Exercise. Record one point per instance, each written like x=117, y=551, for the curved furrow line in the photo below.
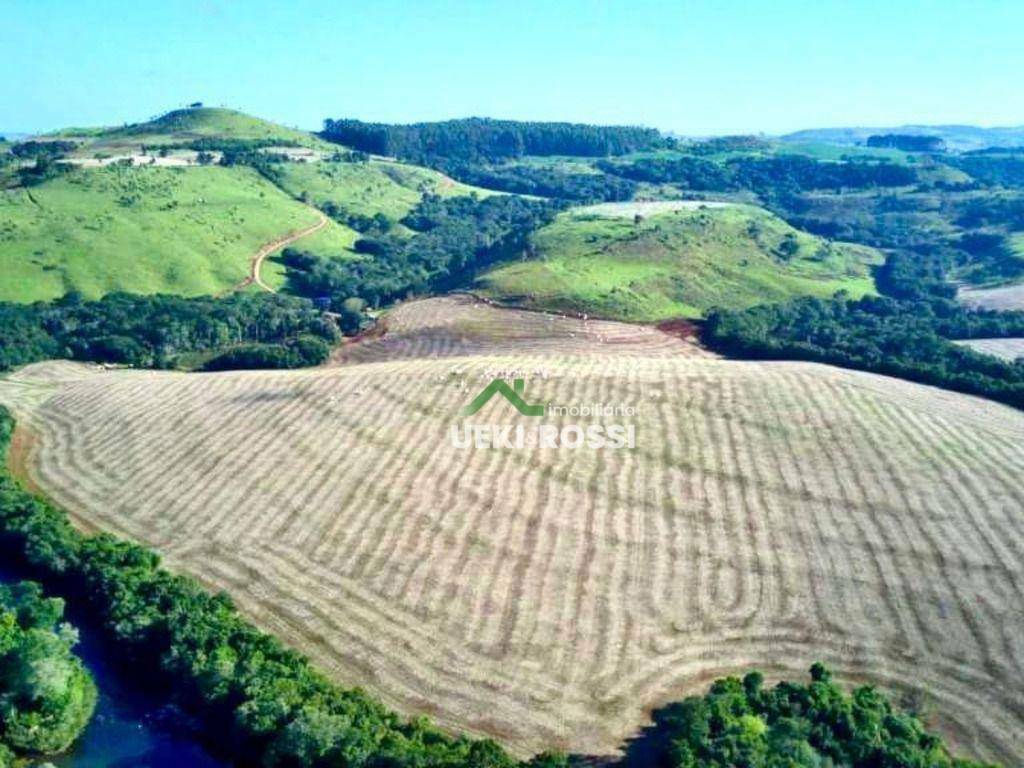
x=241, y=503
x=969, y=496
x=406, y=530
x=899, y=532
x=362, y=653
x=328, y=448
x=833, y=513
x=347, y=514
x=945, y=546
x=873, y=530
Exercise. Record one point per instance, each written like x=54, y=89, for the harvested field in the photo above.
x=1007, y=349
x=771, y=514
x=1003, y=298
x=464, y=325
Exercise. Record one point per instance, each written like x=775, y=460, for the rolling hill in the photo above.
x=771, y=514
x=154, y=224
x=675, y=263
x=182, y=126
x=187, y=231
x=365, y=189
x=957, y=137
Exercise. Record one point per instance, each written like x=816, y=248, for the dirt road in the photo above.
x=272, y=247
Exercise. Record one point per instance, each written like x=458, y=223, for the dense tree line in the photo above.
x=485, y=140
x=35, y=149
x=260, y=703
x=744, y=723
x=455, y=237
x=907, y=142
x=157, y=331
x=990, y=211
x=1005, y=170
x=719, y=145
x=918, y=276
x=300, y=352
x=46, y=167
x=768, y=176
x=219, y=144
x=688, y=171
x=46, y=695
x=905, y=338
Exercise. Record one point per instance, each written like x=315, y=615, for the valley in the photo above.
x=825, y=412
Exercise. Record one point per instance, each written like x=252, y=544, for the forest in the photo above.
x=907, y=142
x=164, y=331
x=46, y=695
x=905, y=338
x=767, y=176
x=454, y=237
x=543, y=181
x=485, y=140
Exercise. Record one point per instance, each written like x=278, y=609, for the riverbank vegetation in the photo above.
x=792, y=725
x=46, y=695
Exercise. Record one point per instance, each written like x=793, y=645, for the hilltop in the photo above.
x=157, y=207
x=181, y=126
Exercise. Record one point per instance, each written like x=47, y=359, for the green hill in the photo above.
x=172, y=226
x=365, y=189
x=188, y=231
x=601, y=261
x=182, y=126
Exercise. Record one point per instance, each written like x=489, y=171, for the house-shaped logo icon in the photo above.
x=513, y=394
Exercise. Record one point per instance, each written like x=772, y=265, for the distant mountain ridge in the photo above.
x=957, y=137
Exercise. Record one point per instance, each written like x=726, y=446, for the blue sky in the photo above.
x=690, y=67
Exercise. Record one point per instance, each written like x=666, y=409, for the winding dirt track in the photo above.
x=771, y=515
x=272, y=247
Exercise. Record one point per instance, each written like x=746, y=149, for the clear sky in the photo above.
x=722, y=66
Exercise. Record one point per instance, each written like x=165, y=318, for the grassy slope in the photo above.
x=186, y=231
x=675, y=265
x=368, y=188
x=76, y=234
x=184, y=125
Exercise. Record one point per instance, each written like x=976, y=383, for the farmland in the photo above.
x=678, y=262
x=1005, y=297
x=1007, y=349
x=188, y=231
x=772, y=514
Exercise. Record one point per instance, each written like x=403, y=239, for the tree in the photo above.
x=46, y=695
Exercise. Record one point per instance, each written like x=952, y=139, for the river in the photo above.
x=131, y=729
